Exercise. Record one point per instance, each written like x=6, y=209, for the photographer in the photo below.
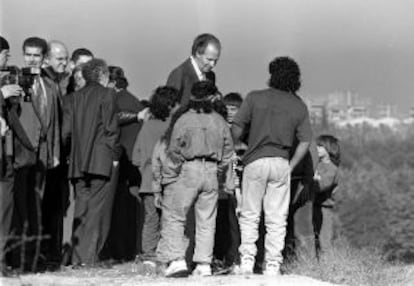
x=6, y=172
x=34, y=122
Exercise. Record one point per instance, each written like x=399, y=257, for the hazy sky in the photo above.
x=365, y=46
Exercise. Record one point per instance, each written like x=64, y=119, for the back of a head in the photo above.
x=203, y=90
x=4, y=44
x=93, y=70
x=36, y=42
x=79, y=53
x=202, y=41
x=117, y=76
x=233, y=98
x=202, y=93
x=284, y=74
x=162, y=101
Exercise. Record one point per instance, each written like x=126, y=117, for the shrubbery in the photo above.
x=376, y=194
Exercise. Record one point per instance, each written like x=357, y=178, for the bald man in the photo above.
x=57, y=62
x=58, y=199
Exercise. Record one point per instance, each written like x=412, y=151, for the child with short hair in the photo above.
x=325, y=185
x=227, y=239
x=161, y=105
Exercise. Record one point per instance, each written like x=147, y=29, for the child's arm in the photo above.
x=157, y=171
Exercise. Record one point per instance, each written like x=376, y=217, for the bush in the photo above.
x=376, y=193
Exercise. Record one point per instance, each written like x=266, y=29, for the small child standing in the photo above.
x=227, y=238
x=325, y=183
x=161, y=105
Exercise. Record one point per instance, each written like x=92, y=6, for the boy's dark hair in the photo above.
x=202, y=41
x=219, y=106
x=284, y=74
x=331, y=144
x=4, y=44
x=145, y=103
x=36, y=42
x=94, y=69
x=117, y=75
x=80, y=52
x=162, y=101
x=233, y=98
x=202, y=93
x=199, y=101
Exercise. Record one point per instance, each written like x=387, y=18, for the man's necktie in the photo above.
x=39, y=97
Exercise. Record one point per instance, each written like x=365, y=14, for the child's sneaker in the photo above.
x=246, y=264
x=272, y=268
x=149, y=268
x=202, y=269
x=177, y=268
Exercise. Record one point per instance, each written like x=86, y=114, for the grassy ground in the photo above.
x=345, y=265
x=341, y=265
x=125, y=275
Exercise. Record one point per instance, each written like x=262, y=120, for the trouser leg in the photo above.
x=205, y=214
x=6, y=208
x=254, y=185
x=93, y=210
x=276, y=206
x=151, y=227
x=176, y=203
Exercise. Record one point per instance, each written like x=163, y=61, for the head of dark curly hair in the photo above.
x=201, y=98
x=162, y=101
x=93, y=70
x=284, y=74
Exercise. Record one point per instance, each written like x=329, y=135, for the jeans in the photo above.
x=197, y=184
x=150, y=228
x=266, y=183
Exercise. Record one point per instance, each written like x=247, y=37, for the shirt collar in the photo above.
x=199, y=73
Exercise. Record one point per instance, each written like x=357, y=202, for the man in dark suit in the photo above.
x=34, y=122
x=205, y=53
x=90, y=120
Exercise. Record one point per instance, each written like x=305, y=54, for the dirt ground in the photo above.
x=126, y=275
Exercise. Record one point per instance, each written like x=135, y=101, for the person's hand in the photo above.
x=9, y=90
x=143, y=114
x=158, y=200
x=237, y=194
x=115, y=163
x=134, y=190
x=3, y=126
x=317, y=177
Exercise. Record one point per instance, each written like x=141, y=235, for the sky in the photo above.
x=365, y=47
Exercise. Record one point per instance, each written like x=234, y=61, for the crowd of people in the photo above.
x=189, y=181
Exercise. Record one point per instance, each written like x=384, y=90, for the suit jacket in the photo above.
x=35, y=137
x=183, y=77
x=126, y=102
x=90, y=120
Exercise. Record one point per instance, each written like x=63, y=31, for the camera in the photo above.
x=24, y=77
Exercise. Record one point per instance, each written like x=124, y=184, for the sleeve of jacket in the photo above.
x=156, y=164
x=226, y=164
x=176, y=141
x=137, y=149
x=175, y=79
x=110, y=121
x=67, y=113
